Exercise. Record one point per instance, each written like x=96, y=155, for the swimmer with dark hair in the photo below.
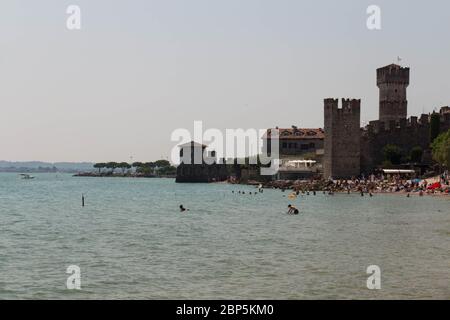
x=292, y=210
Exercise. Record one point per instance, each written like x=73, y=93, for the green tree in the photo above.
x=149, y=165
x=124, y=166
x=137, y=166
x=435, y=126
x=99, y=166
x=386, y=164
x=162, y=163
x=416, y=154
x=392, y=153
x=112, y=165
x=147, y=168
x=441, y=149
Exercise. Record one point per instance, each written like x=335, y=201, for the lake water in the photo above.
x=131, y=242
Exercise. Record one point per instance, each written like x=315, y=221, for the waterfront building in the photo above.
x=197, y=164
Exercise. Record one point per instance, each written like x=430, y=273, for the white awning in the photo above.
x=302, y=161
x=398, y=171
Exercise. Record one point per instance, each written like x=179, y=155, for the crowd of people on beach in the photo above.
x=392, y=184
x=370, y=185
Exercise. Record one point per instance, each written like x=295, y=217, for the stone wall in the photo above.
x=201, y=173
x=406, y=134
x=342, y=138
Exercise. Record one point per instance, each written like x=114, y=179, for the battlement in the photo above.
x=378, y=126
x=393, y=74
x=348, y=106
x=331, y=103
x=412, y=122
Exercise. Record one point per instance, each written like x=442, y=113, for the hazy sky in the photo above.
x=137, y=70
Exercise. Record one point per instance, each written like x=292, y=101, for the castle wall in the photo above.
x=406, y=134
x=342, y=138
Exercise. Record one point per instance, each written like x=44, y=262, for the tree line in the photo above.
x=159, y=167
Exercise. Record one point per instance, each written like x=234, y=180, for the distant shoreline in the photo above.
x=36, y=170
x=119, y=175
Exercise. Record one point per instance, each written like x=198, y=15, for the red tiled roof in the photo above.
x=300, y=133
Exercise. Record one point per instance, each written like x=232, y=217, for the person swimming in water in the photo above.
x=183, y=209
x=292, y=210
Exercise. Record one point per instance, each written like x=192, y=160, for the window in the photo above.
x=284, y=145
x=312, y=145
x=304, y=147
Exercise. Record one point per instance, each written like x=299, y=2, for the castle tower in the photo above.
x=342, y=138
x=393, y=81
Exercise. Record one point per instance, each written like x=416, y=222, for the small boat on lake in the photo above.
x=26, y=176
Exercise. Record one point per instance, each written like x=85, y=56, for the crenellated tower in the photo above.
x=342, y=138
x=392, y=81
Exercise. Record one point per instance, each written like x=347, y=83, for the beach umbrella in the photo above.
x=435, y=185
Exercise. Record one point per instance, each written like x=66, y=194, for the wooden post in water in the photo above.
x=82, y=200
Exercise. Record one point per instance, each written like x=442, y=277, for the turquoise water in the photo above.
x=130, y=241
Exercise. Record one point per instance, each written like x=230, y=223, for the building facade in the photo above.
x=297, y=142
x=199, y=165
